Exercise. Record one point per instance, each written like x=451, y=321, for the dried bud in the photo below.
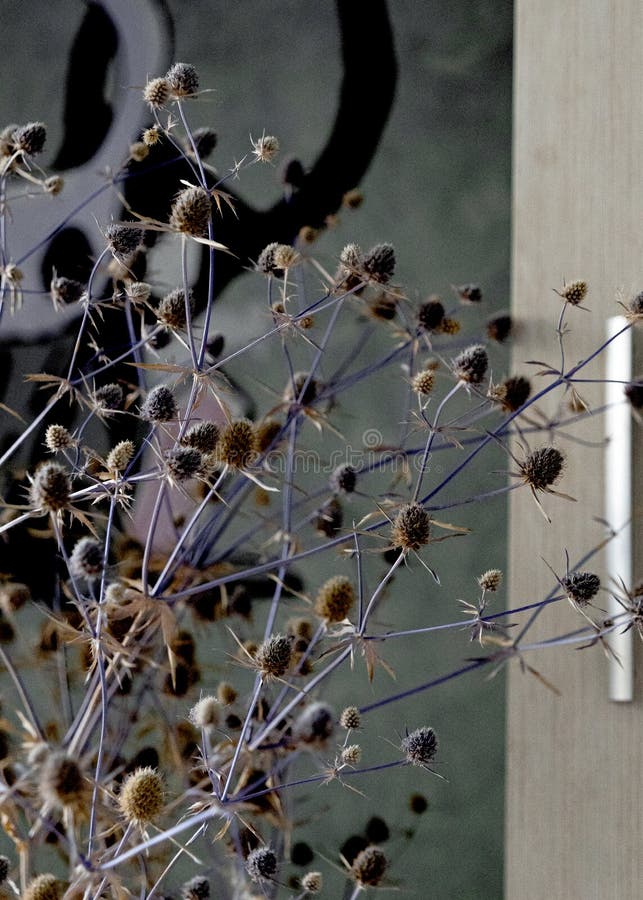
x=379, y=263
x=139, y=291
x=352, y=199
x=238, y=444
x=124, y=241
x=335, y=599
x=499, y=328
x=53, y=185
x=490, y=580
x=431, y=314
x=43, y=887
x=171, y=310
x=383, y=307
x=50, y=488
x=543, y=467
x=265, y=148
x=423, y=382
x=182, y=79
x=152, y=135
x=157, y=93
x=634, y=310
x=261, y=864
x=191, y=212
x=119, y=456
x=315, y=724
x=420, y=746
x=226, y=693
x=266, y=260
x=159, y=405
x=350, y=718
x=58, y=438
x=469, y=293
x=343, y=480
x=369, y=866
x=141, y=796
x=86, y=560
x=285, y=257
x=30, y=138
x=449, y=326
x=411, y=527
x=205, y=713
x=581, y=587
x=574, y=292
x=109, y=397
x=274, y=656
x=139, y=151
x=312, y=882
x=204, y=436
x=471, y=365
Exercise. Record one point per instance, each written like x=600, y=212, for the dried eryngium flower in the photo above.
x=86, y=560
x=157, y=92
x=574, y=293
x=312, y=882
x=30, y=138
x=124, y=241
x=543, y=467
x=499, y=328
x=191, y=212
x=411, y=527
x=183, y=463
x=197, y=888
x=343, y=480
x=58, y=438
x=423, y=382
x=471, y=365
x=512, y=393
x=350, y=718
x=120, y=456
x=335, y=599
x=50, y=488
x=369, y=866
x=490, y=580
x=238, y=444
x=43, y=887
x=420, y=746
x=352, y=754
x=274, y=656
x=108, y=398
x=183, y=79
x=379, y=263
x=261, y=864
x=62, y=782
x=142, y=797
x=205, y=713
x=204, y=436
x=265, y=148
x=581, y=587
x=159, y=405
x=172, y=311
x=315, y=724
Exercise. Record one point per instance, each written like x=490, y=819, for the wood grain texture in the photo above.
x=574, y=762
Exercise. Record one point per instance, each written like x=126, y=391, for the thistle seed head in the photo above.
x=119, y=456
x=30, y=138
x=43, y=887
x=471, y=365
x=499, y=328
x=315, y=725
x=58, y=438
x=379, y=263
x=335, y=599
x=204, y=436
x=575, y=292
x=205, y=713
x=86, y=560
x=266, y=260
x=490, y=580
x=141, y=798
x=285, y=257
x=543, y=467
x=159, y=405
x=50, y=488
x=53, y=185
x=197, y=888
x=634, y=310
x=343, y=480
x=420, y=746
x=109, y=397
x=431, y=314
x=411, y=527
x=182, y=79
x=238, y=444
x=157, y=92
x=350, y=718
x=274, y=656
x=123, y=241
x=261, y=864
x=581, y=587
x=171, y=310
x=191, y=212
x=512, y=393
x=312, y=882
x=369, y=866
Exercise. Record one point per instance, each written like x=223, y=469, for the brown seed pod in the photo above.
x=411, y=527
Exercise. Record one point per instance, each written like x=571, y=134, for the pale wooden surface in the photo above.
x=575, y=762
